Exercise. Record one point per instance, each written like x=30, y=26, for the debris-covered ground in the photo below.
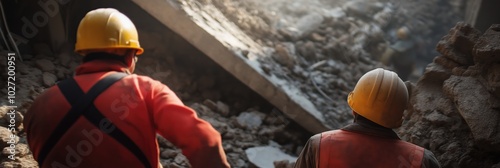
x=321, y=47
x=243, y=118
x=454, y=108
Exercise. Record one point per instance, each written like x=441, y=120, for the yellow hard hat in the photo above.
x=106, y=28
x=403, y=33
x=380, y=96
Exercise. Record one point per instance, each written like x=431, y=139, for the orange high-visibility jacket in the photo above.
x=341, y=148
x=139, y=106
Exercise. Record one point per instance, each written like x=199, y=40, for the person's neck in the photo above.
x=365, y=126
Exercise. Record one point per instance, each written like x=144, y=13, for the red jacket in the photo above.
x=363, y=143
x=139, y=106
x=341, y=148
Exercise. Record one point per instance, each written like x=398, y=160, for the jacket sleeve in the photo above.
x=199, y=141
x=429, y=161
x=308, y=156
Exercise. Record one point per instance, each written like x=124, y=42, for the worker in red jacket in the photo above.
x=105, y=116
x=378, y=101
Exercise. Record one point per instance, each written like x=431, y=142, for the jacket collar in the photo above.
x=365, y=126
x=96, y=66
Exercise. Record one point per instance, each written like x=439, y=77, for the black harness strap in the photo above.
x=83, y=105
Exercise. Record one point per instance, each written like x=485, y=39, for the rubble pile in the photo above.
x=454, y=108
x=33, y=76
x=323, y=47
x=243, y=118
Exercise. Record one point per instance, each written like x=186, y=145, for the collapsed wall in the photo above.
x=455, y=105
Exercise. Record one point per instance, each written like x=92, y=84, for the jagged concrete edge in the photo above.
x=285, y=97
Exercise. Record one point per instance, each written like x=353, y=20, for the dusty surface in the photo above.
x=321, y=47
x=454, y=108
x=242, y=117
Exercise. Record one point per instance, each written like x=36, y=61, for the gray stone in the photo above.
x=181, y=159
x=168, y=153
x=49, y=79
x=438, y=119
x=361, y=8
x=493, y=80
x=472, y=102
x=45, y=65
x=265, y=156
x=62, y=73
x=65, y=59
x=250, y=120
x=222, y=108
x=162, y=142
x=317, y=37
x=210, y=104
x=283, y=164
x=22, y=68
x=240, y=163
x=307, y=50
x=308, y=23
x=458, y=43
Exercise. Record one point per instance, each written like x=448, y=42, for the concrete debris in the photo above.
x=285, y=54
x=454, y=110
x=66, y=58
x=437, y=118
x=222, y=108
x=364, y=9
x=250, y=120
x=265, y=156
x=474, y=103
x=352, y=33
x=307, y=24
x=303, y=33
x=456, y=45
x=283, y=164
x=169, y=153
x=49, y=79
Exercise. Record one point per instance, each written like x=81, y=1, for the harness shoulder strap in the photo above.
x=82, y=104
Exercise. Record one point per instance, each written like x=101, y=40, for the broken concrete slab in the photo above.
x=205, y=27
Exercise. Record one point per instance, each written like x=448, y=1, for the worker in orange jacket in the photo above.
x=378, y=101
x=105, y=116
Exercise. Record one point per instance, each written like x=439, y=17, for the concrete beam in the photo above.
x=208, y=30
